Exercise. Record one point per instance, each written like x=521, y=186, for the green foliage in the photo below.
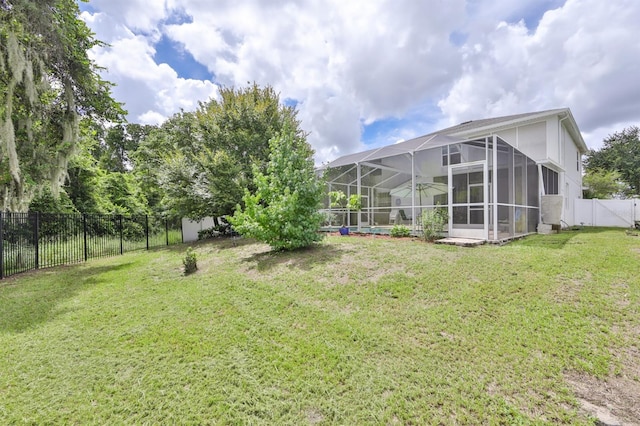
x=115, y=152
x=190, y=261
x=400, y=231
x=207, y=158
x=434, y=222
x=283, y=212
x=620, y=153
x=48, y=83
x=339, y=199
x=222, y=229
x=118, y=193
x=602, y=184
x=46, y=202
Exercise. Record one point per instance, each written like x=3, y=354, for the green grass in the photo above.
x=359, y=330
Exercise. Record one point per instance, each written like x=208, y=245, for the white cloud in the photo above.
x=375, y=58
x=583, y=56
x=349, y=64
x=149, y=90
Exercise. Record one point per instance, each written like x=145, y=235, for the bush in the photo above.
x=283, y=211
x=222, y=230
x=207, y=233
x=433, y=223
x=190, y=261
x=400, y=231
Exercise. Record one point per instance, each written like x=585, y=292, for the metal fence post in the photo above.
x=146, y=226
x=84, y=228
x=121, y=234
x=36, y=238
x=1, y=246
x=166, y=230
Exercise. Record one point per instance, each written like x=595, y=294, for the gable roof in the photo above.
x=459, y=133
x=495, y=124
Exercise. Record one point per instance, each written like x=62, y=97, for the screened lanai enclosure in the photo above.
x=490, y=190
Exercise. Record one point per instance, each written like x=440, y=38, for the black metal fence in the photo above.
x=40, y=240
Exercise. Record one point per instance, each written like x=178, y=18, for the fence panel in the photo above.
x=620, y=213
x=40, y=240
x=60, y=239
x=18, y=246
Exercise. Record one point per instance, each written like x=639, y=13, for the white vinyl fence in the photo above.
x=190, y=228
x=619, y=213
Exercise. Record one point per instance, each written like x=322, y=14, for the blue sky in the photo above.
x=365, y=74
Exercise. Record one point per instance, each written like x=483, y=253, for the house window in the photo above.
x=550, y=179
x=451, y=155
x=578, y=161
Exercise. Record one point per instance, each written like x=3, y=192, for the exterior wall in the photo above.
x=553, y=142
x=548, y=142
x=532, y=140
x=572, y=164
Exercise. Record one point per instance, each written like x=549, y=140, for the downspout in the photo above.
x=541, y=192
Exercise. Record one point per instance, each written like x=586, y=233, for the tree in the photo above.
x=620, y=153
x=213, y=152
x=116, y=151
x=47, y=82
x=283, y=212
x=603, y=184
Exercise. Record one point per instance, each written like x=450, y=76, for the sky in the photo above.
x=369, y=73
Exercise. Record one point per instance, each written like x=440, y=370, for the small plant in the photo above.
x=190, y=262
x=340, y=200
x=434, y=222
x=400, y=231
x=207, y=233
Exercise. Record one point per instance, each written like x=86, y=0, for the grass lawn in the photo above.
x=358, y=330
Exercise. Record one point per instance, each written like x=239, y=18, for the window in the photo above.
x=451, y=155
x=578, y=161
x=550, y=179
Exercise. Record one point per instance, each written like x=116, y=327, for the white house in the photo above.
x=498, y=177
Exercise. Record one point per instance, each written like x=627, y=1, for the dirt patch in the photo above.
x=371, y=235
x=613, y=401
x=314, y=416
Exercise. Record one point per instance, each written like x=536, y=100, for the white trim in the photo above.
x=482, y=233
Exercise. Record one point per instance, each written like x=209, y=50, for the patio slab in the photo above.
x=462, y=242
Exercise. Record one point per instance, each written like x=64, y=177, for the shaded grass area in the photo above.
x=353, y=331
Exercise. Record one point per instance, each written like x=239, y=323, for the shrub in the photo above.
x=190, y=261
x=208, y=233
x=283, y=211
x=400, y=231
x=433, y=223
x=223, y=229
